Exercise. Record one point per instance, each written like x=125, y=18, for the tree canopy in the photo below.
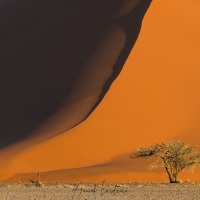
x=175, y=156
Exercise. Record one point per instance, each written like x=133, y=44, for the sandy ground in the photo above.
x=99, y=191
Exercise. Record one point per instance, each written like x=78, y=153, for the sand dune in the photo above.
x=58, y=60
x=155, y=98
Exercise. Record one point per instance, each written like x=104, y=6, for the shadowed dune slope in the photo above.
x=155, y=98
x=58, y=60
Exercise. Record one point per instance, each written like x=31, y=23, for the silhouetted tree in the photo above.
x=174, y=156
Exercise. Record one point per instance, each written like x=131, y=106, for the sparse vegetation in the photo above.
x=173, y=156
x=37, y=183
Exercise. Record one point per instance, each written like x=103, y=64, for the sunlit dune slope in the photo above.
x=155, y=98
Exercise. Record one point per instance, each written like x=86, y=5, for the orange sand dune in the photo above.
x=57, y=65
x=155, y=98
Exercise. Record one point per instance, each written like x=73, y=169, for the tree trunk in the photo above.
x=173, y=178
x=176, y=180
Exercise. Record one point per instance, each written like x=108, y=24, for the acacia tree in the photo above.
x=174, y=156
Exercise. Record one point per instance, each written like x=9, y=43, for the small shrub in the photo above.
x=38, y=183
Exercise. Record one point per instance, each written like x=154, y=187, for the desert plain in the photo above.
x=101, y=191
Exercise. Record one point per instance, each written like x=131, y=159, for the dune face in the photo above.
x=58, y=60
x=155, y=98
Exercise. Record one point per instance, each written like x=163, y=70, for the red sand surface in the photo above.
x=155, y=98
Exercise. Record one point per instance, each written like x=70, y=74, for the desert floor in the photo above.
x=108, y=191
